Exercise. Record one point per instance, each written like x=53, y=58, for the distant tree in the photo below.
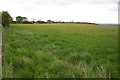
x=43, y=22
x=24, y=19
x=6, y=19
x=33, y=22
x=50, y=21
x=21, y=20
x=39, y=21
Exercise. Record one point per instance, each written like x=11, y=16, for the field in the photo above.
x=60, y=51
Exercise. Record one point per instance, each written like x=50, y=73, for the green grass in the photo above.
x=0, y=51
x=0, y=34
x=60, y=51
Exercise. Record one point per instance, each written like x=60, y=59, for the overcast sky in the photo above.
x=96, y=11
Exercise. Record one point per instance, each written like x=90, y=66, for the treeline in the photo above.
x=24, y=20
x=7, y=20
x=45, y=22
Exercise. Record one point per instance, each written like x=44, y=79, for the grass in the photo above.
x=60, y=51
x=0, y=51
x=0, y=35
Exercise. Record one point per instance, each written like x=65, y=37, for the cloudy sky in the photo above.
x=96, y=11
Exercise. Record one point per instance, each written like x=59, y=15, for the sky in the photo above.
x=94, y=11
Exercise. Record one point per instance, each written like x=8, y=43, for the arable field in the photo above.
x=60, y=51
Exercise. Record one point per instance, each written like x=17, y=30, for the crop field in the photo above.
x=60, y=51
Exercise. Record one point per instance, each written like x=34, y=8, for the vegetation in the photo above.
x=20, y=19
x=24, y=20
x=0, y=18
x=6, y=19
x=60, y=51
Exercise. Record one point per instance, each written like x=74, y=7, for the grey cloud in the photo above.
x=97, y=2
x=29, y=7
x=60, y=3
x=55, y=2
x=110, y=5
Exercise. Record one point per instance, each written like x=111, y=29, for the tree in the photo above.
x=39, y=21
x=24, y=19
x=20, y=19
x=50, y=21
x=33, y=21
x=6, y=19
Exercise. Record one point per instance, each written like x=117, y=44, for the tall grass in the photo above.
x=60, y=51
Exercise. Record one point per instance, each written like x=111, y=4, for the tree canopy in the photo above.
x=20, y=19
x=6, y=19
